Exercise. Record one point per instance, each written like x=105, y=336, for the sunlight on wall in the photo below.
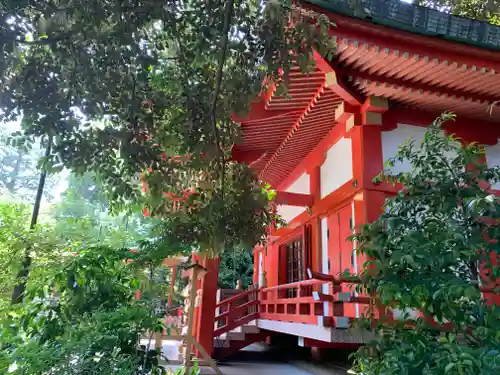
x=300, y=186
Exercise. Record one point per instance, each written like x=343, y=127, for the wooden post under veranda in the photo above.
x=194, y=272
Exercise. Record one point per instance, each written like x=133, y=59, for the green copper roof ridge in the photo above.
x=346, y=11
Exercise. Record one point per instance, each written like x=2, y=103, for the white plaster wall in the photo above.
x=407, y=313
x=324, y=259
x=301, y=186
x=493, y=159
x=391, y=141
x=337, y=168
x=261, y=270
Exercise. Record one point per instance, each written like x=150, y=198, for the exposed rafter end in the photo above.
x=345, y=111
x=375, y=104
x=335, y=83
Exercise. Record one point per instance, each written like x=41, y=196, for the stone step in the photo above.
x=250, y=329
x=234, y=336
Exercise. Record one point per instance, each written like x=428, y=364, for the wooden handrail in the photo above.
x=237, y=309
x=235, y=324
x=294, y=285
x=313, y=275
x=291, y=301
x=237, y=297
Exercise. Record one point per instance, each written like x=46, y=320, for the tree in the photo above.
x=164, y=79
x=19, y=172
x=236, y=264
x=426, y=251
x=82, y=215
x=148, y=87
x=80, y=317
x=13, y=218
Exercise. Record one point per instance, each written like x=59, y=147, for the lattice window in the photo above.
x=295, y=269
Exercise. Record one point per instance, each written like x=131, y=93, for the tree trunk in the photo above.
x=22, y=276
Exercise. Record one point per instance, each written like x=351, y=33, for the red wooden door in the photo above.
x=340, y=249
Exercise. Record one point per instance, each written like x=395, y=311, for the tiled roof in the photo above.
x=418, y=19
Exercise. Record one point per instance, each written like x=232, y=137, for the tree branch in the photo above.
x=222, y=58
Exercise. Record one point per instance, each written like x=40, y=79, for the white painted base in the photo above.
x=311, y=331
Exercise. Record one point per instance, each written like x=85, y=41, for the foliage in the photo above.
x=141, y=93
x=80, y=318
x=15, y=237
x=236, y=264
x=148, y=87
x=82, y=215
x=424, y=254
x=233, y=215
x=13, y=218
x=484, y=10
x=79, y=315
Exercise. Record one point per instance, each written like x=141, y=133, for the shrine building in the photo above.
x=396, y=68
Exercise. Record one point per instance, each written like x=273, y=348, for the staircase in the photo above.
x=235, y=324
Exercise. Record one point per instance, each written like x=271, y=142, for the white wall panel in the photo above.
x=301, y=186
x=391, y=141
x=337, y=168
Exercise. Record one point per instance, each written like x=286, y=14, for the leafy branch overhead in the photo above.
x=141, y=73
x=433, y=248
x=127, y=88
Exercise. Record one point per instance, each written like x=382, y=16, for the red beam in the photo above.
x=293, y=199
x=234, y=311
x=313, y=275
x=237, y=297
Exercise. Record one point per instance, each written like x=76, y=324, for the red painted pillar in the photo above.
x=366, y=136
x=206, y=315
x=367, y=153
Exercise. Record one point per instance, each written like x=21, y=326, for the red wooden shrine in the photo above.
x=320, y=150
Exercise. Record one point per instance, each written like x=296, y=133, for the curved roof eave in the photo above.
x=339, y=8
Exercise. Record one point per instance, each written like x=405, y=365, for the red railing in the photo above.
x=304, y=302
x=236, y=311
x=292, y=302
